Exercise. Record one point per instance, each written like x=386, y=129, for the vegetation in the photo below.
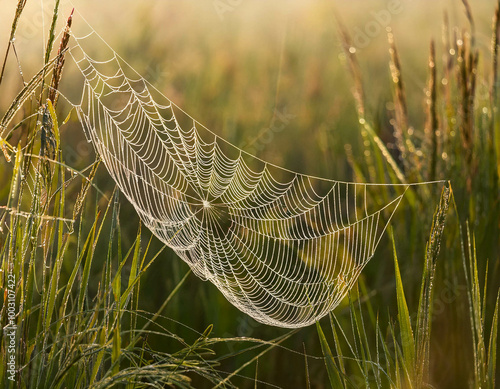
x=91, y=299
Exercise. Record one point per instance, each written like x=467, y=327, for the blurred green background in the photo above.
x=245, y=67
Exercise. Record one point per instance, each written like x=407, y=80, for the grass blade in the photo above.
x=492, y=349
x=331, y=367
x=407, y=340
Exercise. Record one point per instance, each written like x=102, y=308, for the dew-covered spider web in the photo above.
x=283, y=247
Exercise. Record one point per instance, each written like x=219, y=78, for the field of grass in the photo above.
x=89, y=298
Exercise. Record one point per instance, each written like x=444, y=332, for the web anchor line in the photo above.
x=282, y=246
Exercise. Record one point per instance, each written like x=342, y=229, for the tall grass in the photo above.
x=82, y=273
x=63, y=327
x=67, y=336
x=70, y=329
x=457, y=143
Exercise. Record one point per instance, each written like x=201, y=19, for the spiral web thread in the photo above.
x=283, y=247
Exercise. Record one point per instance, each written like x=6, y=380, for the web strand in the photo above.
x=282, y=246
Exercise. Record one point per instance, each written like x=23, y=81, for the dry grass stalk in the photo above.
x=467, y=71
x=58, y=66
x=448, y=59
x=470, y=18
x=432, y=128
x=357, y=90
x=400, y=122
x=495, y=41
x=354, y=68
x=400, y=100
x=19, y=10
x=48, y=143
x=494, y=57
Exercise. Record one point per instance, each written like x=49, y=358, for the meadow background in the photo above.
x=274, y=78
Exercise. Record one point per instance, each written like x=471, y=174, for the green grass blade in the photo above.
x=359, y=332
x=338, y=350
x=492, y=349
x=86, y=247
x=407, y=340
x=135, y=259
x=331, y=368
x=50, y=303
x=86, y=273
x=133, y=277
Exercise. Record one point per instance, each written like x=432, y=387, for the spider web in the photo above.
x=281, y=246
